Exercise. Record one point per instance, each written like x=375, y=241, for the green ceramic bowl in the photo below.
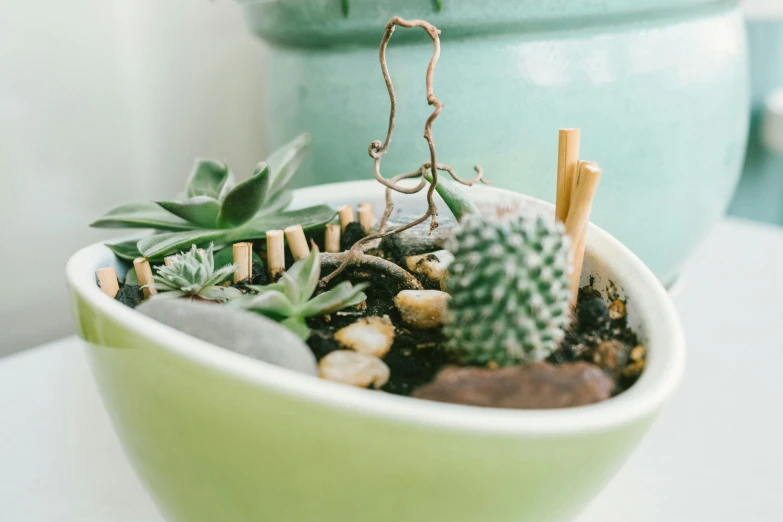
x=215, y=436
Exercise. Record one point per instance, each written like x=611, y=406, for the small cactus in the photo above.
x=510, y=289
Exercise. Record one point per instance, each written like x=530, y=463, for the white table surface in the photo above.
x=714, y=455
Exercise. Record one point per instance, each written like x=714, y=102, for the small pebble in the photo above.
x=432, y=267
x=616, y=310
x=370, y=335
x=634, y=369
x=593, y=312
x=422, y=309
x=354, y=368
x=611, y=356
x=638, y=353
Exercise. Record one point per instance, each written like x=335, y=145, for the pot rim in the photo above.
x=666, y=349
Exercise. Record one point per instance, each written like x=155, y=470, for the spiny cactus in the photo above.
x=193, y=274
x=510, y=289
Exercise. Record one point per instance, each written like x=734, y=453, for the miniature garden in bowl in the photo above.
x=413, y=347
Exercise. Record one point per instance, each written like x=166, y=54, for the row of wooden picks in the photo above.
x=243, y=252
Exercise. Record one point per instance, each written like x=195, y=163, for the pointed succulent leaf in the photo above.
x=160, y=245
x=219, y=293
x=143, y=214
x=276, y=287
x=459, y=204
x=270, y=303
x=201, y=211
x=209, y=178
x=221, y=274
x=276, y=203
x=244, y=200
x=126, y=250
x=176, y=294
x=341, y=296
x=284, y=162
x=310, y=218
x=297, y=325
x=306, y=273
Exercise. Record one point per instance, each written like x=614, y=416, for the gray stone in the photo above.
x=417, y=240
x=534, y=386
x=241, y=332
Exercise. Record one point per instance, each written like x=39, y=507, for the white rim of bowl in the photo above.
x=658, y=381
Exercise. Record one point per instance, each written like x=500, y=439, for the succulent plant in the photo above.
x=216, y=209
x=193, y=274
x=290, y=300
x=510, y=289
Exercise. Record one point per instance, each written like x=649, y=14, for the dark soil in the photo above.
x=592, y=327
x=353, y=232
x=130, y=295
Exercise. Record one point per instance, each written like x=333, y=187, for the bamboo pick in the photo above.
x=275, y=253
x=567, y=166
x=346, y=216
x=297, y=242
x=144, y=275
x=366, y=217
x=579, y=215
x=241, y=257
x=332, y=238
x=107, y=279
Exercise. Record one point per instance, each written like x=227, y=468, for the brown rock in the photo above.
x=616, y=310
x=611, y=355
x=534, y=386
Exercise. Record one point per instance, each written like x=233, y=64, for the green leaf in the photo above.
x=341, y=296
x=310, y=218
x=459, y=204
x=244, y=200
x=126, y=250
x=276, y=203
x=306, y=272
x=202, y=211
x=143, y=214
x=284, y=162
x=271, y=303
x=209, y=178
x=220, y=293
x=160, y=245
x=297, y=325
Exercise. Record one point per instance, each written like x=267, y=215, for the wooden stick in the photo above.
x=579, y=215
x=567, y=165
x=275, y=253
x=241, y=257
x=332, y=238
x=366, y=217
x=346, y=216
x=107, y=279
x=144, y=275
x=297, y=242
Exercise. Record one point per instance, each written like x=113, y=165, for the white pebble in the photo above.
x=371, y=335
x=354, y=368
x=432, y=266
x=422, y=309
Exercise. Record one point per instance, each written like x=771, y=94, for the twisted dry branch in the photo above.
x=378, y=149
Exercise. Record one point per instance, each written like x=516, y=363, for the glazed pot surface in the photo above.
x=659, y=89
x=217, y=436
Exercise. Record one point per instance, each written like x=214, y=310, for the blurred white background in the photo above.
x=102, y=102
x=107, y=101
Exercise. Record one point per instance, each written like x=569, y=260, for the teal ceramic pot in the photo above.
x=658, y=87
x=215, y=436
x=760, y=193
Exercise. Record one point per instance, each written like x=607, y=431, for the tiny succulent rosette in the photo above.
x=290, y=300
x=510, y=289
x=192, y=274
x=216, y=209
